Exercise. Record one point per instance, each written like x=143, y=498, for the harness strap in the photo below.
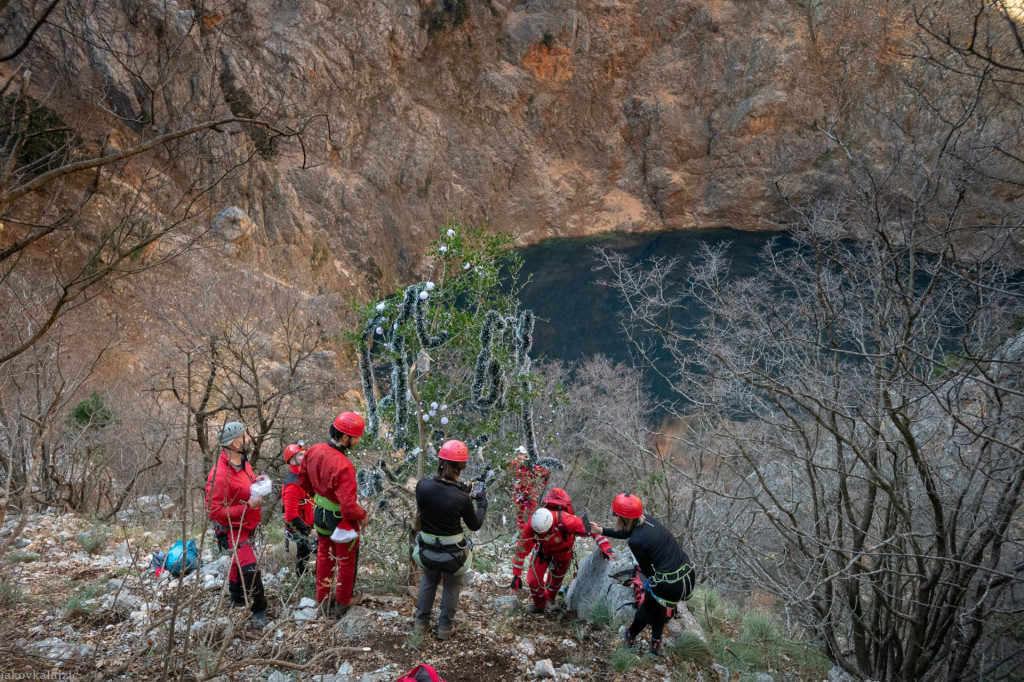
x=327, y=504
x=428, y=539
x=218, y=528
x=672, y=576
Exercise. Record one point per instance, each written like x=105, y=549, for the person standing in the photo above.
x=235, y=513
x=442, y=549
x=552, y=530
x=669, y=576
x=528, y=480
x=327, y=474
x=298, y=508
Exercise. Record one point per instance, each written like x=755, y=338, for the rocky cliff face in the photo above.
x=545, y=118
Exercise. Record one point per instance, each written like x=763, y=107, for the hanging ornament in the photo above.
x=433, y=406
x=444, y=421
x=430, y=286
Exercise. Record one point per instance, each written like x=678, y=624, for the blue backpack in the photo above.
x=182, y=558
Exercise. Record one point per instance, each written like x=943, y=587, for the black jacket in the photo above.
x=653, y=547
x=443, y=505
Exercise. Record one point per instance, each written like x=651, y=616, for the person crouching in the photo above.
x=552, y=530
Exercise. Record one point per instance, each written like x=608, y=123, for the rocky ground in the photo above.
x=80, y=598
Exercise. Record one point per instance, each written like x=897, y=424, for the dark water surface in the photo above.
x=577, y=317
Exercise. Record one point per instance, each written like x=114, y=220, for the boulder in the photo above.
x=837, y=674
x=122, y=602
x=232, y=224
x=56, y=649
x=544, y=668
x=306, y=614
x=355, y=623
x=218, y=568
x=599, y=581
x=148, y=507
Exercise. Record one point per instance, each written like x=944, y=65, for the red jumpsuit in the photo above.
x=327, y=472
x=527, y=482
x=227, y=491
x=298, y=504
x=554, y=554
x=298, y=517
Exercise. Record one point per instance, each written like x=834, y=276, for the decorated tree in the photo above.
x=449, y=357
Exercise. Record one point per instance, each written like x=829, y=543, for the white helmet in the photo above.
x=542, y=520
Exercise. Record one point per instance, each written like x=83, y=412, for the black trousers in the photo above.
x=652, y=613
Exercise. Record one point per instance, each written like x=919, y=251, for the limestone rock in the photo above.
x=56, y=649
x=544, y=668
x=232, y=224
x=599, y=583
x=358, y=621
x=506, y=603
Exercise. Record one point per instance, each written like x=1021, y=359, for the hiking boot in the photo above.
x=357, y=599
x=258, y=620
x=420, y=629
x=445, y=633
x=655, y=649
x=533, y=608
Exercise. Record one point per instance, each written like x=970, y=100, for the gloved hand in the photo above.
x=479, y=493
x=607, y=554
x=517, y=584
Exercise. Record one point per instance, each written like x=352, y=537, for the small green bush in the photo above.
x=92, y=412
x=600, y=615
x=77, y=606
x=94, y=539
x=624, y=659
x=758, y=628
x=690, y=647
x=707, y=605
x=10, y=594
x=759, y=634
x=22, y=557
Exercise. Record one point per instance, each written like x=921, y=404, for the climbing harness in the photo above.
x=447, y=553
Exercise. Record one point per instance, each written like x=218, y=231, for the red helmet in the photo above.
x=627, y=506
x=292, y=450
x=349, y=423
x=454, y=451
x=558, y=499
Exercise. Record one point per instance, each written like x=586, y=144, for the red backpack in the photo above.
x=421, y=673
